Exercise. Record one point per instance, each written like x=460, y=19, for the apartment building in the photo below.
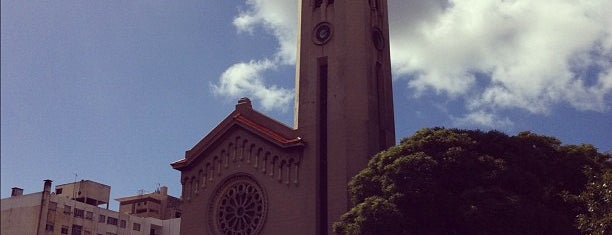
x=157, y=204
x=75, y=209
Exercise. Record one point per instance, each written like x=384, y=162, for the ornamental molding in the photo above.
x=243, y=151
x=246, y=118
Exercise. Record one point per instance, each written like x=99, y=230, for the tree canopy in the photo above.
x=449, y=181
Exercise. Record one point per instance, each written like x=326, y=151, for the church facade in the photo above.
x=254, y=175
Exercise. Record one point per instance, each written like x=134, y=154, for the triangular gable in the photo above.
x=250, y=120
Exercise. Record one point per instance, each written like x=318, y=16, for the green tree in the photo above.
x=448, y=181
x=597, y=199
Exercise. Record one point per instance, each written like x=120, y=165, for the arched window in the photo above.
x=198, y=182
x=191, y=188
x=318, y=3
x=374, y=4
x=185, y=189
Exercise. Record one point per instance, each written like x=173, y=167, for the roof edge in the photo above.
x=245, y=117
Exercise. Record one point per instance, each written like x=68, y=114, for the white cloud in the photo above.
x=279, y=17
x=495, y=55
x=482, y=118
x=534, y=54
x=245, y=79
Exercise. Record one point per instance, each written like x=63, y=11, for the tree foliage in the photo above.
x=448, y=181
x=597, y=199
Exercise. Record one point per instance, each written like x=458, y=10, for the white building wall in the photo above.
x=171, y=226
x=20, y=214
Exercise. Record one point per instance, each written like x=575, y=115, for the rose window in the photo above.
x=239, y=207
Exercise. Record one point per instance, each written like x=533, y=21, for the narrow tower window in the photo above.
x=374, y=4
x=322, y=66
x=380, y=89
x=318, y=3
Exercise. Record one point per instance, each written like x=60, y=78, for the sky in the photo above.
x=114, y=91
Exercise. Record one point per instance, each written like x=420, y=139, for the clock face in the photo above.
x=322, y=33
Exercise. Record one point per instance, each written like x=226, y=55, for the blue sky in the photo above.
x=114, y=91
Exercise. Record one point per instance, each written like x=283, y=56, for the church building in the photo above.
x=254, y=175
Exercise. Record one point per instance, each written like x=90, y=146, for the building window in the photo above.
x=58, y=191
x=136, y=227
x=89, y=215
x=101, y=219
x=49, y=227
x=122, y=223
x=111, y=220
x=67, y=209
x=52, y=206
x=78, y=213
x=76, y=229
x=64, y=229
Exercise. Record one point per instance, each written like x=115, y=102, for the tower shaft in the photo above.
x=344, y=104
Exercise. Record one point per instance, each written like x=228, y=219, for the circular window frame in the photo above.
x=319, y=40
x=224, y=192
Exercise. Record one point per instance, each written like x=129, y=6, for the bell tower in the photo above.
x=254, y=175
x=344, y=100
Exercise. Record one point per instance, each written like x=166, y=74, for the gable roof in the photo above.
x=250, y=120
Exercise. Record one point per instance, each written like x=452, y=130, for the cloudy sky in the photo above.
x=113, y=91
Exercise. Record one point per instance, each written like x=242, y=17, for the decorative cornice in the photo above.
x=250, y=120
